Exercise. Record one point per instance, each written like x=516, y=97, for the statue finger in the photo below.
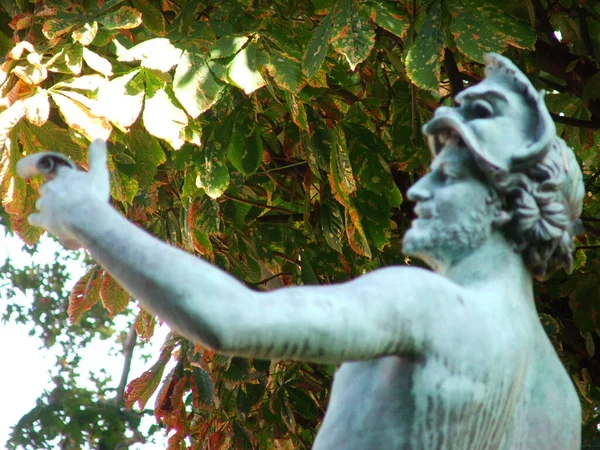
x=98, y=158
x=35, y=220
x=44, y=163
x=69, y=244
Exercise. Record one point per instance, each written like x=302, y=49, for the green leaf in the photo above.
x=194, y=84
x=158, y=54
x=53, y=137
x=353, y=35
x=203, y=386
x=479, y=27
x=163, y=119
x=243, y=71
x=585, y=304
x=318, y=47
x=592, y=88
x=297, y=111
x=243, y=438
x=152, y=17
x=122, y=19
x=332, y=223
x=245, y=147
x=130, y=100
x=286, y=71
x=227, y=46
x=213, y=174
x=206, y=215
x=307, y=273
x=424, y=57
x=114, y=298
x=341, y=177
x=148, y=156
x=74, y=58
x=54, y=28
x=389, y=16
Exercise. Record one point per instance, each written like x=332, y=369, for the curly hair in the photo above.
x=544, y=202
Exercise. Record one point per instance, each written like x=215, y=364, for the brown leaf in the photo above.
x=144, y=325
x=142, y=388
x=84, y=294
x=114, y=298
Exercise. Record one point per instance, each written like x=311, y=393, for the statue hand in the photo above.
x=67, y=190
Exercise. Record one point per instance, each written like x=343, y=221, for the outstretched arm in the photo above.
x=389, y=311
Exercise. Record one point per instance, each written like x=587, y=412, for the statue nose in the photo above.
x=419, y=192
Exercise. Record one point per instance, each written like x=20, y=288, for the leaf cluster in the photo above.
x=276, y=139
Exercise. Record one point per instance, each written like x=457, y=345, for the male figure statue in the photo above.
x=451, y=359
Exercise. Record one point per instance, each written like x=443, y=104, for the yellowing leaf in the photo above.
x=165, y=120
x=31, y=74
x=318, y=47
x=424, y=56
x=123, y=18
x=81, y=119
x=84, y=294
x=158, y=54
x=194, y=84
x=141, y=389
x=114, y=298
x=85, y=34
x=243, y=71
x=97, y=62
x=353, y=35
x=74, y=58
x=152, y=17
x=37, y=108
x=479, y=27
x=286, y=71
x=390, y=17
x=118, y=91
x=54, y=28
x=144, y=325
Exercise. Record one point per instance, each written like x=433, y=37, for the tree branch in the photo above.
x=454, y=76
x=593, y=124
x=128, y=347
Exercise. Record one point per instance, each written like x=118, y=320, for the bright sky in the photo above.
x=25, y=367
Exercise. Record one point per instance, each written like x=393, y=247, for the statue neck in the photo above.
x=494, y=262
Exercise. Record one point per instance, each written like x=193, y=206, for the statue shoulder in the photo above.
x=409, y=280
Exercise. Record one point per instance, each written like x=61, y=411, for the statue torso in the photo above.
x=493, y=383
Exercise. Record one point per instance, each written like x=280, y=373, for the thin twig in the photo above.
x=593, y=124
x=257, y=204
x=128, y=347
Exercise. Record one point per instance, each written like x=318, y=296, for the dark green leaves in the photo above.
x=479, y=27
x=423, y=59
x=317, y=49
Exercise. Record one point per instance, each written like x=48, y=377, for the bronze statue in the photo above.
x=454, y=358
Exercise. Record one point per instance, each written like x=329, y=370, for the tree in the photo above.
x=275, y=139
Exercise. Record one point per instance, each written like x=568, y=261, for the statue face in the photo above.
x=454, y=215
x=490, y=119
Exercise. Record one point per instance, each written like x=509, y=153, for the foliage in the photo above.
x=276, y=139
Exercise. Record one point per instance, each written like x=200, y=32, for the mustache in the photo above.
x=425, y=210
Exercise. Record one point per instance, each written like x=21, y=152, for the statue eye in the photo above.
x=482, y=109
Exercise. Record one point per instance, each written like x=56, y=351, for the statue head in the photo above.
x=530, y=184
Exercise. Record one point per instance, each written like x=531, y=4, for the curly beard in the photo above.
x=442, y=245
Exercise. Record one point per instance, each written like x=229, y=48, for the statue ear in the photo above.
x=501, y=218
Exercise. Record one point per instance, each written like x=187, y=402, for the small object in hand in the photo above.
x=45, y=163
